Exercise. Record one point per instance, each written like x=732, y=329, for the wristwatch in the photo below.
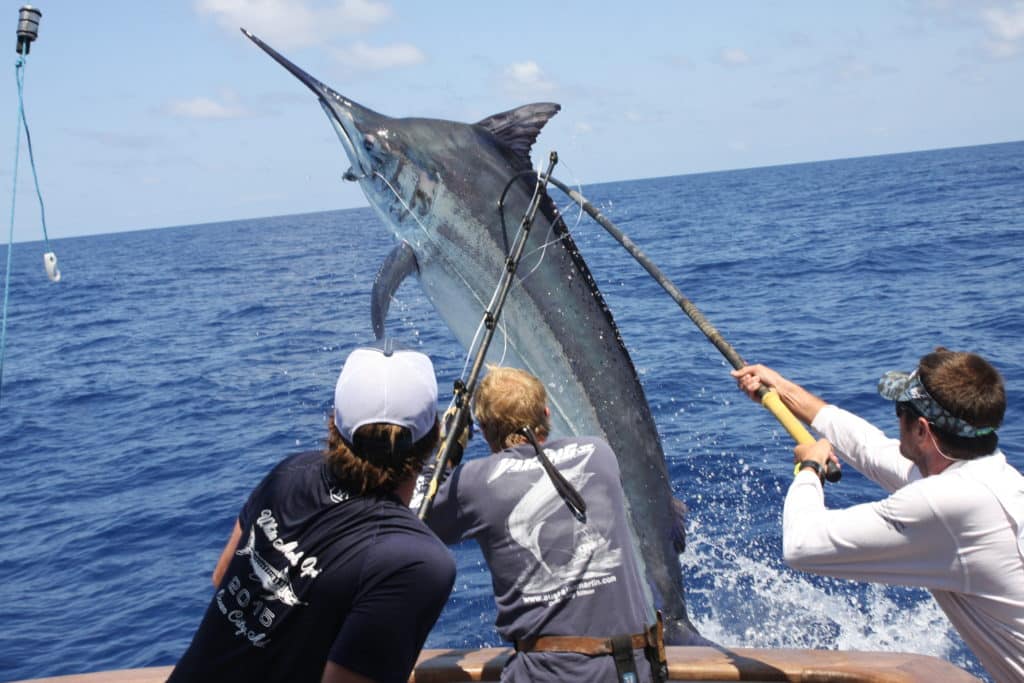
x=814, y=465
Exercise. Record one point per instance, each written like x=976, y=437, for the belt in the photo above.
x=582, y=644
x=651, y=641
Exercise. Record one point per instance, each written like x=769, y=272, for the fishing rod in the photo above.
x=457, y=416
x=769, y=399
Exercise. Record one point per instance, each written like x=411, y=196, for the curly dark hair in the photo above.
x=379, y=458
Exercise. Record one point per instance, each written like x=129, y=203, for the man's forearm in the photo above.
x=801, y=402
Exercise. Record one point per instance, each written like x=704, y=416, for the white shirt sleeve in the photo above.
x=899, y=540
x=866, y=447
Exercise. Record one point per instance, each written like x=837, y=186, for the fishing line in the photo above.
x=471, y=351
x=542, y=248
x=456, y=425
x=548, y=241
x=476, y=337
x=551, y=241
x=478, y=333
x=559, y=218
x=28, y=30
x=426, y=232
x=405, y=206
x=457, y=271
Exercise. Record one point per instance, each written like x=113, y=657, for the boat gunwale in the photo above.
x=685, y=664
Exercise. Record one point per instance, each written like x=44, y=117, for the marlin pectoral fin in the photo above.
x=400, y=264
x=518, y=128
x=679, y=511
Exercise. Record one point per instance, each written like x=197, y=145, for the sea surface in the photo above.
x=145, y=394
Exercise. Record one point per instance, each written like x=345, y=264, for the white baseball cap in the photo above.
x=386, y=384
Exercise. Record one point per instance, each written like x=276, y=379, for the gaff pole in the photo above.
x=769, y=398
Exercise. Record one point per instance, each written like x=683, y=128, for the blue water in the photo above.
x=146, y=394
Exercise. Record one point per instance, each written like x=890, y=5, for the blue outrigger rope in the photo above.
x=27, y=29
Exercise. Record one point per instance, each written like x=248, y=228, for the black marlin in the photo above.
x=436, y=185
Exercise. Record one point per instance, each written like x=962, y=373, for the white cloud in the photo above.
x=369, y=58
x=206, y=108
x=296, y=23
x=1002, y=49
x=734, y=57
x=527, y=76
x=1005, y=26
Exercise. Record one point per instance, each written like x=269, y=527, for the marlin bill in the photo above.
x=436, y=185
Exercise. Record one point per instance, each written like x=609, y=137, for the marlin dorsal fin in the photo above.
x=518, y=128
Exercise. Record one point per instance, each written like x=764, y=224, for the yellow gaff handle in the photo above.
x=787, y=419
x=771, y=400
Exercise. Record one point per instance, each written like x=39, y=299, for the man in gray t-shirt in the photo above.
x=555, y=574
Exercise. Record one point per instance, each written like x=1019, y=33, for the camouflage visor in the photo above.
x=905, y=387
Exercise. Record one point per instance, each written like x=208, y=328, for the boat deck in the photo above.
x=706, y=664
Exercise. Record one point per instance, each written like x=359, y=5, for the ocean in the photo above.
x=145, y=394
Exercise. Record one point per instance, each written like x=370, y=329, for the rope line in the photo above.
x=31, y=156
x=19, y=77
x=18, y=73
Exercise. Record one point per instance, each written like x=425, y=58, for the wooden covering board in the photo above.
x=685, y=664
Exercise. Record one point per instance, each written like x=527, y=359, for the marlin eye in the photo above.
x=369, y=142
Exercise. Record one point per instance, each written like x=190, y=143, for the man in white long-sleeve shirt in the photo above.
x=954, y=520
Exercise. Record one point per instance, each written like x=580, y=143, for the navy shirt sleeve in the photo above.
x=405, y=586
x=445, y=515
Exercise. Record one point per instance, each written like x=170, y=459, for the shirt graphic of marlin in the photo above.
x=593, y=555
x=276, y=582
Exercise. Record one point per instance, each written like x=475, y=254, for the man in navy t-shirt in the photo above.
x=329, y=576
x=566, y=584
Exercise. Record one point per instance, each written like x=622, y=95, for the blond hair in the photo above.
x=507, y=400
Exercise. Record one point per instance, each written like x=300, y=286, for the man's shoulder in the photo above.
x=291, y=469
x=580, y=441
x=301, y=460
x=410, y=540
x=988, y=473
x=579, y=446
x=956, y=490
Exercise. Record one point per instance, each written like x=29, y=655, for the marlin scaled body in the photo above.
x=436, y=185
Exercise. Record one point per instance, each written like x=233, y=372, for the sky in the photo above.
x=161, y=113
